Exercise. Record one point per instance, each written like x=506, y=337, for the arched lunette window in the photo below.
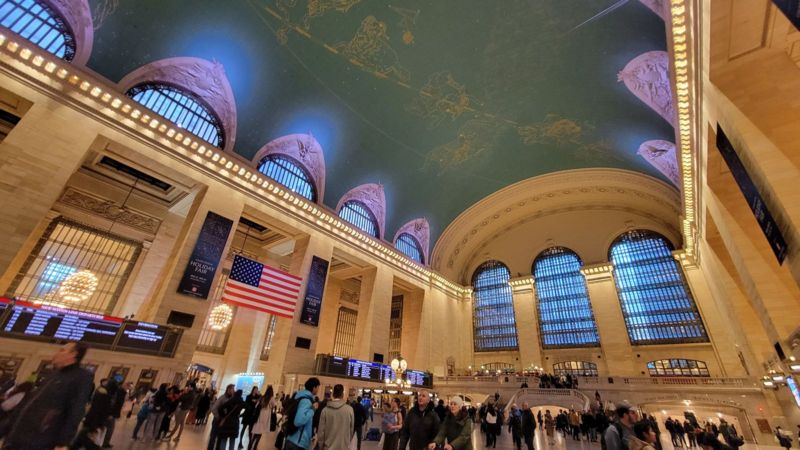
x=678, y=368
x=359, y=215
x=407, y=244
x=656, y=301
x=565, y=313
x=575, y=368
x=181, y=108
x=288, y=172
x=494, y=325
x=37, y=22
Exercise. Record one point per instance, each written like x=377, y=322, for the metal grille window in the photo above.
x=273, y=321
x=395, y=327
x=493, y=309
x=215, y=341
x=182, y=109
x=38, y=23
x=67, y=247
x=678, y=368
x=575, y=368
x=359, y=215
x=289, y=173
x=656, y=301
x=565, y=313
x=410, y=247
x=345, y=339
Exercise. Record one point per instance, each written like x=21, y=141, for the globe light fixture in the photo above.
x=220, y=317
x=78, y=287
x=399, y=366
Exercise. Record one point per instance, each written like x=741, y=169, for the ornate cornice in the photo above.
x=661, y=155
x=421, y=231
x=647, y=77
x=109, y=210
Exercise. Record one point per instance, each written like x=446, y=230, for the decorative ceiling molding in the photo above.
x=657, y=6
x=421, y=230
x=555, y=193
x=661, y=155
x=203, y=78
x=372, y=196
x=109, y=210
x=304, y=149
x=78, y=16
x=647, y=77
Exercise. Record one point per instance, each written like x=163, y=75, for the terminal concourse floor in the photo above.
x=196, y=438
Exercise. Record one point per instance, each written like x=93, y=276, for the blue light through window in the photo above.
x=565, y=313
x=36, y=22
x=182, y=109
x=656, y=302
x=409, y=246
x=359, y=215
x=53, y=274
x=493, y=309
x=287, y=172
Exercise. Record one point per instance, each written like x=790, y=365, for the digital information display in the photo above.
x=24, y=320
x=367, y=371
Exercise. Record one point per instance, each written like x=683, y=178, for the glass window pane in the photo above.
x=655, y=299
x=409, y=246
x=289, y=173
x=359, y=215
x=494, y=325
x=677, y=368
x=37, y=22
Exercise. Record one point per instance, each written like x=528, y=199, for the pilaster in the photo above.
x=525, y=311
x=374, y=311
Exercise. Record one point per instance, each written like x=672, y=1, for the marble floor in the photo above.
x=196, y=438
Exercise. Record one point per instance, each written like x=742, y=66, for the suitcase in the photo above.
x=374, y=434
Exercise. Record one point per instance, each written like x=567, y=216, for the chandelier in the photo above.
x=78, y=287
x=220, y=317
x=399, y=366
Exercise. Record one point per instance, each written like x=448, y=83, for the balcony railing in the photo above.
x=669, y=381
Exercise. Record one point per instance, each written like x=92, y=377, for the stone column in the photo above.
x=410, y=335
x=374, y=310
x=36, y=160
x=614, y=341
x=222, y=201
x=525, y=311
x=285, y=358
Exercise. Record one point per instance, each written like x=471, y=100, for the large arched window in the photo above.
x=288, y=172
x=656, y=301
x=181, y=108
x=575, y=368
x=359, y=215
x=565, y=313
x=494, y=326
x=678, y=368
x=38, y=23
x=407, y=244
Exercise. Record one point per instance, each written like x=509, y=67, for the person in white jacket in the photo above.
x=263, y=421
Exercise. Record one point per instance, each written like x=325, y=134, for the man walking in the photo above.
x=336, y=423
x=618, y=434
x=420, y=424
x=116, y=411
x=359, y=417
x=185, y=402
x=303, y=416
x=212, y=437
x=52, y=415
x=528, y=425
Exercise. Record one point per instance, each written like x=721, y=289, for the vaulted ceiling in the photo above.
x=442, y=101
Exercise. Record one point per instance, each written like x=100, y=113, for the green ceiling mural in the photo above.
x=443, y=102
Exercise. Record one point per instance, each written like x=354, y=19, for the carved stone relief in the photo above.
x=78, y=17
x=657, y=6
x=108, y=209
x=371, y=195
x=304, y=149
x=203, y=78
x=647, y=77
x=661, y=155
x=421, y=230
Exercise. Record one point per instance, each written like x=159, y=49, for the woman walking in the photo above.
x=263, y=418
x=390, y=427
x=456, y=431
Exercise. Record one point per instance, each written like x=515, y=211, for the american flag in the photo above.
x=263, y=288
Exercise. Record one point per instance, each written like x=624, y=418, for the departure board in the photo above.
x=368, y=371
x=24, y=320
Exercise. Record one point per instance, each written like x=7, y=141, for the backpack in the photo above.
x=618, y=427
x=291, y=407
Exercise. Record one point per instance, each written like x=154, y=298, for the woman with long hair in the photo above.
x=263, y=418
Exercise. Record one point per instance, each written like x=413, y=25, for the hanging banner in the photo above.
x=202, y=265
x=312, y=302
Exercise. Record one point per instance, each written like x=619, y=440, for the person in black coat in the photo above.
x=250, y=414
x=228, y=427
x=101, y=409
x=359, y=419
x=528, y=425
x=202, y=408
x=54, y=410
x=420, y=425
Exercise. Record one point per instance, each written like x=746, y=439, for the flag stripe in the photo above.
x=285, y=277
x=259, y=293
x=244, y=299
x=266, y=310
x=279, y=288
